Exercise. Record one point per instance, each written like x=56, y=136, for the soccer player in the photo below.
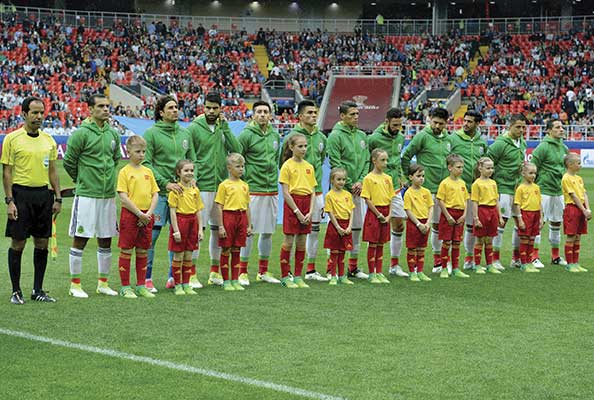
x=29, y=165
x=213, y=141
x=548, y=158
x=347, y=149
x=468, y=144
x=260, y=146
x=389, y=137
x=166, y=143
x=431, y=147
x=91, y=160
x=508, y=154
x=315, y=155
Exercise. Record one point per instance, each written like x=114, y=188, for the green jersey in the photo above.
x=549, y=158
x=261, y=151
x=316, y=150
x=470, y=148
x=91, y=159
x=381, y=138
x=431, y=151
x=212, y=145
x=166, y=144
x=347, y=148
x=508, y=157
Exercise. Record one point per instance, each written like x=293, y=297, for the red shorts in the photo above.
x=188, y=228
x=574, y=221
x=334, y=241
x=373, y=230
x=532, y=221
x=415, y=239
x=489, y=218
x=291, y=224
x=132, y=235
x=451, y=232
x=235, y=223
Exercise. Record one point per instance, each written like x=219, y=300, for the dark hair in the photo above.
x=180, y=164
x=439, y=113
x=551, y=123
x=160, y=105
x=393, y=113
x=345, y=105
x=303, y=104
x=26, y=105
x=414, y=168
x=453, y=159
x=474, y=114
x=515, y=118
x=287, y=152
x=213, y=97
x=93, y=99
x=261, y=103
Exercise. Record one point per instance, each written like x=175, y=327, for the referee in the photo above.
x=29, y=164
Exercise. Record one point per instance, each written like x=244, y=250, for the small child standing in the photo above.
x=377, y=191
x=138, y=193
x=527, y=205
x=298, y=181
x=577, y=211
x=487, y=215
x=452, y=197
x=186, y=228
x=233, y=201
x=418, y=204
x=339, y=208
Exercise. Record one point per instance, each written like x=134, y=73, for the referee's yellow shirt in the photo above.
x=29, y=157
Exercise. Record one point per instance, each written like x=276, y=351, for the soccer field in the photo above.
x=508, y=336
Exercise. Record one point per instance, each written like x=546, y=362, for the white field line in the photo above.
x=171, y=365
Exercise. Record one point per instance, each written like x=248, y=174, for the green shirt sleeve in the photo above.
x=73, y=149
x=410, y=151
x=334, y=153
x=148, y=160
x=231, y=143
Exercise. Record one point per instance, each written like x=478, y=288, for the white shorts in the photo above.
x=552, y=208
x=263, y=212
x=506, y=202
x=358, y=212
x=469, y=220
x=436, y=210
x=397, y=206
x=318, y=209
x=93, y=218
x=209, y=214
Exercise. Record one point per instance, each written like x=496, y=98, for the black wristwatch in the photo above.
x=58, y=200
x=9, y=200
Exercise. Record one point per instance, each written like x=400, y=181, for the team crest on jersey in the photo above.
x=113, y=145
x=46, y=161
x=275, y=145
x=146, y=177
x=481, y=151
x=448, y=147
x=362, y=143
x=81, y=229
x=308, y=171
x=185, y=144
x=399, y=147
x=321, y=147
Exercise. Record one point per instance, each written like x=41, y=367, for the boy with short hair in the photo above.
x=139, y=194
x=577, y=211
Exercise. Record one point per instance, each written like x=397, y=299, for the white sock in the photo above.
x=356, y=243
x=312, y=243
x=395, y=244
x=498, y=240
x=537, y=241
x=469, y=241
x=265, y=245
x=75, y=261
x=435, y=242
x=214, y=250
x=104, y=261
x=244, y=253
x=515, y=239
x=555, y=235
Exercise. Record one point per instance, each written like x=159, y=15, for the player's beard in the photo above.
x=211, y=120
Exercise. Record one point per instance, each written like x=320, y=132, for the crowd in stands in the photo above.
x=541, y=76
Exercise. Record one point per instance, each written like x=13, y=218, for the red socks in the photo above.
x=478, y=249
x=411, y=259
x=370, y=259
x=299, y=257
x=141, y=261
x=224, y=266
x=186, y=271
x=235, y=268
x=176, y=267
x=285, y=255
x=379, y=258
x=124, y=264
x=262, y=266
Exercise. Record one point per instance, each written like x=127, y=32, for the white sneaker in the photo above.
x=397, y=270
x=498, y=266
x=102, y=288
x=315, y=276
x=244, y=280
x=560, y=261
x=437, y=269
x=267, y=277
x=468, y=265
x=513, y=264
x=357, y=274
x=537, y=263
x=195, y=283
x=76, y=291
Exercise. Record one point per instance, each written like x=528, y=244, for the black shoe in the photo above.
x=17, y=298
x=42, y=296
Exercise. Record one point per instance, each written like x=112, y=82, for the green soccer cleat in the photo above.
x=459, y=274
x=127, y=292
x=372, y=278
x=423, y=277
x=414, y=277
x=188, y=289
x=288, y=283
x=266, y=277
x=444, y=273
x=572, y=268
x=237, y=285
x=382, y=278
x=492, y=270
x=142, y=291
x=228, y=287
x=300, y=282
x=344, y=280
x=480, y=270
x=333, y=281
x=582, y=269
x=528, y=268
x=179, y=290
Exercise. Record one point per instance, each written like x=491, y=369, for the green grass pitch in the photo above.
x=511, y=336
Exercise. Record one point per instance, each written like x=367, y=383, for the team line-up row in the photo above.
x=204, y=174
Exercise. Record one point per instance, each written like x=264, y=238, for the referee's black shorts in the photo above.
x=34, y=213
